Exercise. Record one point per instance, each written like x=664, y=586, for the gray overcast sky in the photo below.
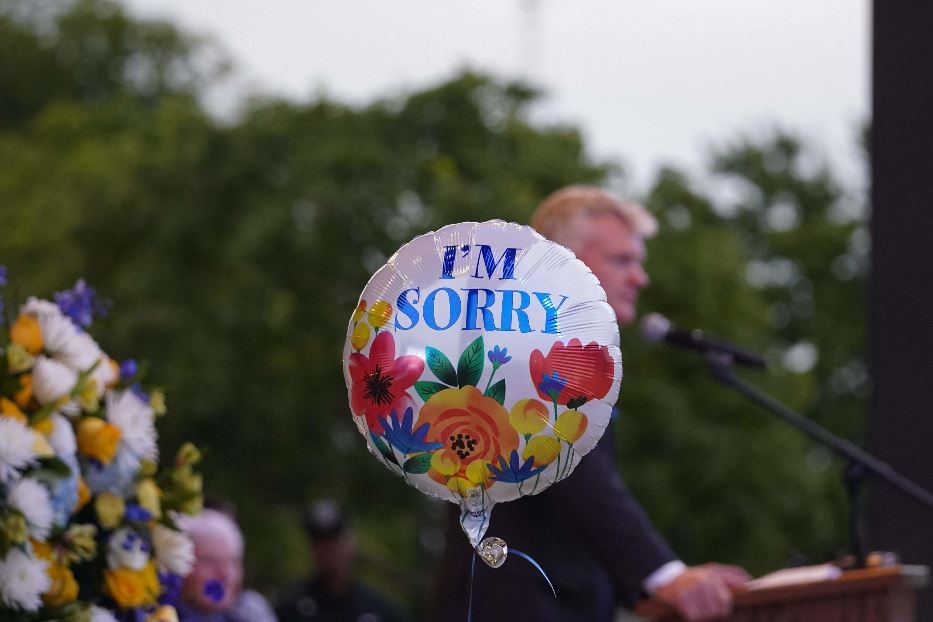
x=647, y=81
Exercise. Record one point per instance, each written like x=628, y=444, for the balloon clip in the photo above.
x=493, y=551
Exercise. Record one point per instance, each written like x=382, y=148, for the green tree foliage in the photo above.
x=234, y=254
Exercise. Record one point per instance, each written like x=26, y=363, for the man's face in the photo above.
x=218, y=564
x=615, y=254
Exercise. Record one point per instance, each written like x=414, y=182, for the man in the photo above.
x=334, y=594
x=213, y=591
x=587, y=532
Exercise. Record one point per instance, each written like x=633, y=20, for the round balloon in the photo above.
x=482, y=362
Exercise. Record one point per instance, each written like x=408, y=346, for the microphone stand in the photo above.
x=860, y=462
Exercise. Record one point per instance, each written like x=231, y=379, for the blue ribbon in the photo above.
x=520, y=554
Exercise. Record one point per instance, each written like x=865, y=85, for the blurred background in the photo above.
x=229, y=175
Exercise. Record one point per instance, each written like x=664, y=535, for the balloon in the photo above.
x=482, y=362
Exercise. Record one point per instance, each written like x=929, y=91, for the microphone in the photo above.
x=655, y=327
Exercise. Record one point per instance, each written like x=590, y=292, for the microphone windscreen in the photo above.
x=654, y=327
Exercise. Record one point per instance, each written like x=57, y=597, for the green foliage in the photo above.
x=236, y=253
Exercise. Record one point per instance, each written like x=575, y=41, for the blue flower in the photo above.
x=499, y=356
x=171, y=588
x=215, y=590
x=515, y=471
x=137, y=513
x=128, y=369
x=79, y=304
x=2, y=276
x=552, y=385
x=399, y=433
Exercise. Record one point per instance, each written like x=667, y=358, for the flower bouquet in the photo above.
x=86, y=516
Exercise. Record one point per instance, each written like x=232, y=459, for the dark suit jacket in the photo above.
x=588, y=533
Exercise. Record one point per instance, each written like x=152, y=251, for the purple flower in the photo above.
x=2, y=276
x=79, y=304
x=498, y=356
x=137, y=513
x=128, y=369
x=171, y=588
x=215, y=590
x=552, y=385
x=137, y=390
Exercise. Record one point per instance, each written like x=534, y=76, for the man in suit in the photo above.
x=588, y=532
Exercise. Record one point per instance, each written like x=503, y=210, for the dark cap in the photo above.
x=325, y=519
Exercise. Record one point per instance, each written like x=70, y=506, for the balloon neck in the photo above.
x=475, y=510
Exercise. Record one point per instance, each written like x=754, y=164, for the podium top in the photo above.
x=903, y=578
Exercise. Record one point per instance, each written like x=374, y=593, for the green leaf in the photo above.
x=470, y=366
x=427, y=388
x=441, y=366
x=418, y=464
x=54, y=467
x=497, y=392
x=383, y=449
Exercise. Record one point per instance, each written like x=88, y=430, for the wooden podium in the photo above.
x=882, y=594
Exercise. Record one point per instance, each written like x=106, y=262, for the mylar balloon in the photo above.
x=482, y=363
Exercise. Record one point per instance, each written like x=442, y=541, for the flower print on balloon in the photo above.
x=483, y=367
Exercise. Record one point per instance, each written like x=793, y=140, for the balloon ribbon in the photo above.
x=520, y=554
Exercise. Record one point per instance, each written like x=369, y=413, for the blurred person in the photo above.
x=587, y=532
x=333, y=594
x=213, y=592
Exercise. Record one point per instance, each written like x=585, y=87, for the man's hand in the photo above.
x=703, y=592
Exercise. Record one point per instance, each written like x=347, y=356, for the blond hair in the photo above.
x=558, y=216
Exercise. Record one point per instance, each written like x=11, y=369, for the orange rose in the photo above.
x=98, y=439
x=132, y=588
x=472, y=427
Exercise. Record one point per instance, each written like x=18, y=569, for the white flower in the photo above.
x=17, y=451
x=51, y=380
x=79, y=353
x=62, y=437
x=22, y=580
x=31, y=499
x=135, y=418
x=105, y=374
x=173, y=550
x=127, y=549
x=99, y=614
x=57, y=328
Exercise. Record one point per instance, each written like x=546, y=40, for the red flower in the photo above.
x=588, y=371
x=380, y=381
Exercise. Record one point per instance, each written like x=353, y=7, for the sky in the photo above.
x=648, y=83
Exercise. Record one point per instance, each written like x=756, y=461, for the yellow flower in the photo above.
x=98, y=439
x=64, y=588
x=360, y=336
x=132, y=588
x=380, y=313
x=188, y=454
x=529, y=416
x=570, y=425
x=8, y=408
x=80, y=543
x=157, y=401
x=24, y=394
x=84, y=494
x=87, y=395
x=46, y=426
x=544, y=450
x=360, y=310
x=18, y=359
x=110, y=509
x=149, y=497
x=460, y=485
x=41, y=446
x=445, y=462
x=478, y=472
x=14, y=528
x=165, y=613
x=26, y=332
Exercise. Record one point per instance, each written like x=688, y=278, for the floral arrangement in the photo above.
x=464, y=437
x=86, y=517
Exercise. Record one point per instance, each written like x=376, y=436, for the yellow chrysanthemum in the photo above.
x=149, y=497
x=529, y=416
x=98, y=439
x=110, y=509
x=544, y=450
x=132, y=588
x=8, y=408
x=27, y=333
x=64, y=588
